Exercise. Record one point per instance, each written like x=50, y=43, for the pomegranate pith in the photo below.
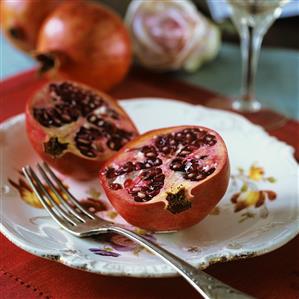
x=167, y=179
x=76, y=128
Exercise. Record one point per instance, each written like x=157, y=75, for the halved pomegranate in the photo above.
x=167, y=179
x=76, y=128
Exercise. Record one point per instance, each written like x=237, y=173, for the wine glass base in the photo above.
x=266, y=118
x=242, y=106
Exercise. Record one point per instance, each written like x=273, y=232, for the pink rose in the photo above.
x=169, y=35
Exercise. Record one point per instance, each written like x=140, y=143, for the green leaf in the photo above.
x=137, y=250
x=94, y=193
x=244, y=188
x=241, y=170
x=271, y=179
x=140, y=231
x=108, y=249
x=112, y=214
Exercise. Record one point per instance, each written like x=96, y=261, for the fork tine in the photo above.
x=27, y=172
x=68, y=194
x=58, y=209
x=58, y=195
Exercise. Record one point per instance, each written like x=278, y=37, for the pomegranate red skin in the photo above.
x=86, y=42
x=21, y=20
x=154, y=216
x=70, y=165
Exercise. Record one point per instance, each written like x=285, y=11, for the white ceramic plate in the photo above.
x=262, y=217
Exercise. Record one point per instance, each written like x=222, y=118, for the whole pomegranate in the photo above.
x=76, y=128
x=167, y=179
x=21, y=20
x=85, y=42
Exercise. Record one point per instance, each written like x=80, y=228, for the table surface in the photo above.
x=277, y=77
x=22, y=275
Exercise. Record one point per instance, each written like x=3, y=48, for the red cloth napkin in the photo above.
x=25, y=276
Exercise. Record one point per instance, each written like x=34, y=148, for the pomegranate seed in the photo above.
x=176, y=165
x=210, y=171
x=190, y=175
x=165, y=150
x=139, y=166
x=141, y=195
x=159, y=178
x=110, y=173
x=128, y=183
x=127, y=168
x=115, y=186
x=147, y=149
x=157, y=162
x=151, y=154
x=135, y=189
x=210, y=140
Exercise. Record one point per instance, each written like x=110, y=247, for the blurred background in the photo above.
x=282, y=34
x=278, y=70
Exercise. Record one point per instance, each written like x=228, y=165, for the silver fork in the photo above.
x=81, y=223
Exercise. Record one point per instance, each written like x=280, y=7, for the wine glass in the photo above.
x=252, y=19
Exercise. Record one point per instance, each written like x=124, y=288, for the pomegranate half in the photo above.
x=167, y=179
x=76, y=128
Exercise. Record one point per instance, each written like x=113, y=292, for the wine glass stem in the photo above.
x=251, y=34
x=250, y=48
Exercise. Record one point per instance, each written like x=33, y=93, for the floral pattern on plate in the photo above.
x=249, y=196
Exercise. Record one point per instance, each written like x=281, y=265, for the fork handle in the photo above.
x=208, y=286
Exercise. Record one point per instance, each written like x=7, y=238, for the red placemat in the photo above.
x=275, y=275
